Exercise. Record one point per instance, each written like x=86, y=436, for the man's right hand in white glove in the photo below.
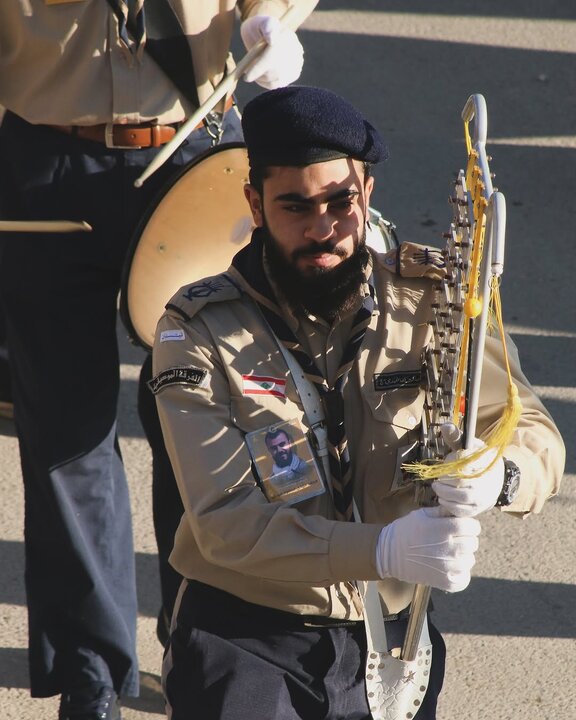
x=429, y=548
x=281, y=62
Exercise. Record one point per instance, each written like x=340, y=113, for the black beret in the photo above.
x=299, y=125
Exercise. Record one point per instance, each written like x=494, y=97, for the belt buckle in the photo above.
x=109, y=140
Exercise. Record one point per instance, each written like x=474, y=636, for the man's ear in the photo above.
x=255, y=202
x=368, y=187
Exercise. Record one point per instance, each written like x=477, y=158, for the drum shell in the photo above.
x=192, y=230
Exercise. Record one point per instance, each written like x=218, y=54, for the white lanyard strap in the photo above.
x=314, y=412
x=310, y=399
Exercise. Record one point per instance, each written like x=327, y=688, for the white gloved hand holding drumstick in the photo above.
x=281, y=62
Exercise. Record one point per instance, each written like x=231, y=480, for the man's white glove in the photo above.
x=468, y=497
x=430, y=548
x=281, y=62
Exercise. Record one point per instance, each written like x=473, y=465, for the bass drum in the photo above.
x=192, y=231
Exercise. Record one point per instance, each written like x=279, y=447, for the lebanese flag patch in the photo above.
x=263, y=385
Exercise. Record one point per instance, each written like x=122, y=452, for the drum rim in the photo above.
x=123, y=308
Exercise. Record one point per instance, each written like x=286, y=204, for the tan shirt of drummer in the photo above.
x=70, y=50
x=298, y=558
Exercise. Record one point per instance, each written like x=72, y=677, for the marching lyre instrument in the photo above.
x=474, y=262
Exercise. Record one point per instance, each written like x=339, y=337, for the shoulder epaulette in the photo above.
x=190, y=299
x=411, y=260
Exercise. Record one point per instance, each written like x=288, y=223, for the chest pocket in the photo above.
x=396, y=415
x=400, y=407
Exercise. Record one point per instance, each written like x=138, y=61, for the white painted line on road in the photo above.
x=538, y=331
x=513, y=32
x=556, y=392
x=559, y=141
x=129, y=372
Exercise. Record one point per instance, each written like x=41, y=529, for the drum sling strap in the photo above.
x=155, y=28
x=394, y=687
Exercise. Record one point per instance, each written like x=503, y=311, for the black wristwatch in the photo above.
x=511, y=484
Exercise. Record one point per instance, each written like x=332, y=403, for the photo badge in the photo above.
x=285, y=462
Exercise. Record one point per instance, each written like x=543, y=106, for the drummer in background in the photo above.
x=86, y=110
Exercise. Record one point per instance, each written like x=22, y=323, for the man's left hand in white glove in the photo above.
x=468, y=497
x=281, y=62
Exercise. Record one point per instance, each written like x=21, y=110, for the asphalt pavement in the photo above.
x=410, y=66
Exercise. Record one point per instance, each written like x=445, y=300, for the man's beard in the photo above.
x=283, y=460
x=326, y=292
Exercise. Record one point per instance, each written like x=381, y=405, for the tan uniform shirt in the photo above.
x=299, y=558
x=71, y=51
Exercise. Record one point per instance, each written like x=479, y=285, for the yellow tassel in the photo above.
x=498, y=439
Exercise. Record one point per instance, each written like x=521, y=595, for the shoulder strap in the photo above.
x=312, y=405
x=314, y=412
x=190, y=299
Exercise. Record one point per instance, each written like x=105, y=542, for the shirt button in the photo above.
x=411, y=421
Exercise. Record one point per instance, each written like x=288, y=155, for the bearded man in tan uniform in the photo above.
x=269, y=621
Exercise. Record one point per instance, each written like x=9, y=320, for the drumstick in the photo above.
x=224, y=87
x=48, y=226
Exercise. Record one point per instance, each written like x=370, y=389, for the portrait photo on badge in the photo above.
x=284, y=462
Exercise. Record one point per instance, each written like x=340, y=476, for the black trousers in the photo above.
x=232, y=660
x=59, y=295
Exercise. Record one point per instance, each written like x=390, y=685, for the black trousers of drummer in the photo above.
x=59, y=295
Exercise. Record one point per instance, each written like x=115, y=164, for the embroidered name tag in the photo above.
x=396, y=380
x=171, y=335
x=263, y=385
x=178, y=376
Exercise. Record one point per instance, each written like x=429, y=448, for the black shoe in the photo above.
x=103, y=704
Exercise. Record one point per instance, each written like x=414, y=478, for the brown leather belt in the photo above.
x=118, y=136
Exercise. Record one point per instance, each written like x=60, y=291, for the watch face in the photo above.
x=511, y=483
x=514, y=486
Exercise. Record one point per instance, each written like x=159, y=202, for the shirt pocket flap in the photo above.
x=401, y=407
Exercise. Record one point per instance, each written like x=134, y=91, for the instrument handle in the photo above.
x=475, y=109
x=496, y=222
x=223, y=88
x=493, y=264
